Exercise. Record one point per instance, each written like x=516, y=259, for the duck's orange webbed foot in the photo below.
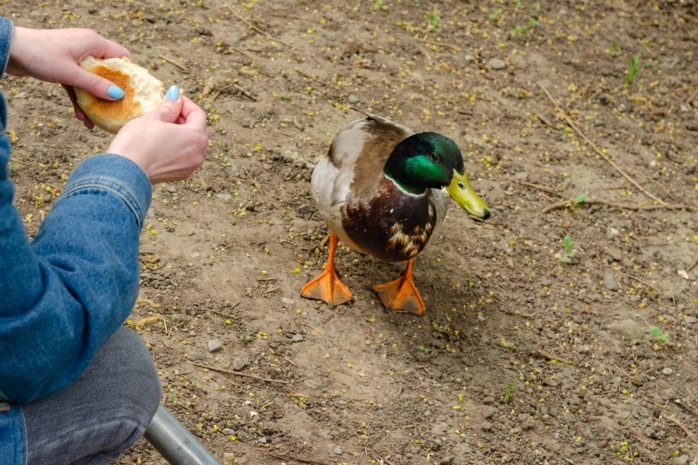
x=327, y=286
x=401, y=294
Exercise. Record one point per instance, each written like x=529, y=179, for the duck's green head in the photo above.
x=430, y=160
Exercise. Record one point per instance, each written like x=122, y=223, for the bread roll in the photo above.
x=142, y=93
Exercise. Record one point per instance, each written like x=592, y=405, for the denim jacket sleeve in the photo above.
x=6, y=28
x=64, y=293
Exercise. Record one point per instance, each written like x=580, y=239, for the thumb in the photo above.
x=171, y=107
x=97, y=85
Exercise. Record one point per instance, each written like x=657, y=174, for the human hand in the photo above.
x=54, y=55
x=168, y=143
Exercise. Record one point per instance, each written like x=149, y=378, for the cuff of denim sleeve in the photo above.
x=116, y=174
x=6, y=28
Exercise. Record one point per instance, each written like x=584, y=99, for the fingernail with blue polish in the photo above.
x=115, y=92
x=172, y=93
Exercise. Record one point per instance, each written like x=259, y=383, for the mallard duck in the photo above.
x=382, y=189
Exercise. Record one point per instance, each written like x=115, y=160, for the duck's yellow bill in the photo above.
x=463, y=193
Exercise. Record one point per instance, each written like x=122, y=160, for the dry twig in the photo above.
x=641, y=282
x=443, y=44
x=685, y=407
x=551, y=357
x=319, y=332
x=252, y=26
x=224, y=315
x=547, y=189
x=376, y=456
x=170, y=60
x=688, y=432
x=297, y=459
x=236, y=373
x=245, y=93
x=597, y=150
x=693, y=265
x=622, y=206
x=20, y=162
x=254, y=183
x=641, y=437
x=236, y=87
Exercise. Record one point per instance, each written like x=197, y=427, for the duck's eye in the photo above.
x=433, y=156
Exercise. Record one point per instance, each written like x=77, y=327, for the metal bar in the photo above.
x=175, y=442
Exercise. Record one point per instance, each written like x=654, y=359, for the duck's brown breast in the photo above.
x=393, y=226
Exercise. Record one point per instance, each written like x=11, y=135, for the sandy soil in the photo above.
x=576, y=119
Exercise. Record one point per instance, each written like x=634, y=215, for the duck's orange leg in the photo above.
x=401, y=293
x=327, y=287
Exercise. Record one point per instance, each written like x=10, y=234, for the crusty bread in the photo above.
x=142, y=93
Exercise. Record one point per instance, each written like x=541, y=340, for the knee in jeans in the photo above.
x=138, y=388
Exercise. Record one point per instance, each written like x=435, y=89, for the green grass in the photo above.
x=659, y=335
x=569, y=250
x=579, y=199
x=509, y=393
x=495, y=14
x=635, y=67
x=433, y=19
x=521, y=28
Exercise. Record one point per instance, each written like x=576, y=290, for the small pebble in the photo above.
x=194, y=356
x=497, y=64
x=228, y=431
x=486, y=426
x=286, y=301
x=297, y=338
x=691, y=319
x=214, y=345
x=667, y=371
x=338, y=450
x=610, y=282
x=239, y=364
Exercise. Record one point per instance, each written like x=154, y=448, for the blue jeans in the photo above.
x=102, y=414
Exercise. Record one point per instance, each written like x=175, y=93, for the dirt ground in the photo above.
x=534, y=349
